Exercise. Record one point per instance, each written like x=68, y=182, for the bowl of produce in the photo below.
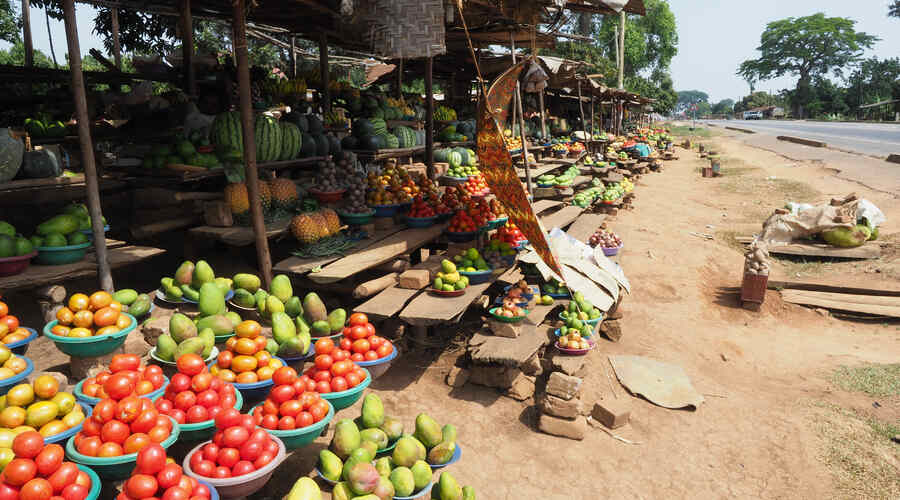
x=17, y=370
x=564, y=315
x=457, y=454
x=559, y=333
x=10, y=266
x=300, y=436
x=327, y=196
x=462, y=237
x=252, y=391
x=345, y=399
x=152, y=383
x=113, y=467
x=159, y=476
x=421, y=221
x=356, y=219
x=86, y=410
x=421, y=493
x=378, y=367
x=477, y=277
x=203, y=431
x=48, y=470
x=15, y=342
x=387, y=210
x=572, y=348
x=242, y=485
x=170, y=367
x=496, y=223
x=91, y=345
x=66, y=254
x=447, y=293
x=506, y=313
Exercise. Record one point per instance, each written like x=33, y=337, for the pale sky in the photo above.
x=715, y=36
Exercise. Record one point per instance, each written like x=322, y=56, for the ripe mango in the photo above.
x=40, y=413
x=247, y=281
x=321, y=329
x=293, y=307
x=372, y=412
x=468, y=493
x=406, y=452
x=342, y=491
x=402, y=479
x=348, y=466
x=165, y=347
x=448, y=488
x=203, y=273
x=190, y=346
x=330, y=465
x=393, y=427
x=281, y=287
x=211, y=301
x=181, y=328
x=441, y=453
x=304, y=489
x=383, y=466
x=125, y=296
x=209, y=340
x=369, y=448
x=313, y=308
x=427, y=431
x=185, y=273
x=260, y=297
x=448, y=433
x=219, y=324
x=384, y=490
x=421, y=474
x=346, y=438
x=376, y=436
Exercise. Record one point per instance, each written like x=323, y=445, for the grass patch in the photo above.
x=803, y=267
x=874, y=379
x=735, y=171
x=685, y=131
x=779, y=191
x=859, y=453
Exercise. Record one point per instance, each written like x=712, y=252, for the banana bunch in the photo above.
x=282, y=90
x=337, y=117
x=445, y=114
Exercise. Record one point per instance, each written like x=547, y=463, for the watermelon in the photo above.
x=369, y=142
x=464, y=156
x=290, y=141
x=322, y=144
x=441, y=155
x=334, y=145
x=405, y=136
x=268, y=138
x=363, y=127
x=349, y=142
x=40, y=164
x=11, y=150
x=454, y=159
x=225, y=131
x=391, y=141
x=315, y=125
x=308, y=146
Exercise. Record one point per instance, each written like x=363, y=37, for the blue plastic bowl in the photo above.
x=21, y=346
x=387, y=210
x=213, y=493
x=496, y=223
x=298, y=438
x=455, y=458
x=421, y=493
x=90, y=232
x=89, y=347
x=114, y=467
x=309, y=354
x=256, y=391
x=74, y=430
x=7, y=384
x=377, y=367
x=91, y=401
x=203, y=431
x=345, y=399
x=592, y=322
x=477, y=277
x=329, y=481
x=421, y=221
x=463, y=237
x=55, y=256
x=94, y=492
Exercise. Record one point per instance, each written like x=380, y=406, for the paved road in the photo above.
x=876, y=139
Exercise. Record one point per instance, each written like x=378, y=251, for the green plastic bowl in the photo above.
x=356, y=219
x=56, y=256
x=203, y=431
x=115, y=467
x=345, y=399
x=592, y=322
x=299, y=438
x=89, y=347
x=504, y=319
x=94, y=492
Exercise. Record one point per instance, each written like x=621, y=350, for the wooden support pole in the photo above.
x=187, y=48
x=429, y=118
x=621, y=50
x=117, y=47
x=592, y=117
x=87, y=147
x=239, y=24
x=543, y=115
x=26, y=33
x=293, y=56
x=400, y=79
x=517, y=110
x=323, y=70
x=581, y=110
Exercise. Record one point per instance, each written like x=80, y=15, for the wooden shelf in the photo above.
x=239, y=236
x=382, y=154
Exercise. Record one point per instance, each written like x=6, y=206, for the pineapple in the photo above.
x=332, y=221
x=237, y=199
x=265, y=196
x=304, y=228
x=284, y=192
x=321, y=224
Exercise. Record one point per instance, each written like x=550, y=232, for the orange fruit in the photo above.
x=99, y=300
x=61, y=330
x=83, y=319
x=80, y=333
x=4, y=329
x=122, y=321
x=15, y=364
x=65, y=316
x=245, y=346
x=247, y=378
x=248, y=329
x=265, y=373
x=229, y=344
x=116, y=305
x=244, y=363
x=4, y=309
x=106, y=330
x=263, y=357
x=226, y=375
x=275, y=363
x=260, y=342
x=79, y=302
x=105, y=316
x=13, y=337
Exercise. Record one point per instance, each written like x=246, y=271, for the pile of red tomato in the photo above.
x=333, y=370
x=145, y=379
x=360, y=340
x=122, y=427
x=238, y=447
x=194, y=394
x=154, y=478
x=39, y=473
x=290, y=405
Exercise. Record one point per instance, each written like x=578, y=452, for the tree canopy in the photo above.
x=9, y=22
x=809, y=47
x=723, y=107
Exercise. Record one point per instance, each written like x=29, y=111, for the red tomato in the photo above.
x=213, y=411
x=308, y=399
x=371, y=355
x=141, y=486
x=311, y=385
x=7, y=492
x=324, y=345
x=49, y=459
x=179, y=382
x=196, y=414
x=357, y=357
x=135, y=443
x=290, y=408
x=88, y=446
x=358, y=332
x=346, y=343
x=164, y=422
x=242, y=467
x=119, y=385
x=169, y=476
x=201, y=382
x=339, y=355
x=370, y=329
x=361, y=346
x=75, y=492
x=159, y=433
x=202, y=491
x=286, y=424
x=357, y=319
x=248, y=423
x=143, y=387
x=176, y=493
x=228, y=456
x=110, y=450
x=319, y=410
x=284, y=376
x=299, y=385
x=341, y=368
x=353, y=379
x=376, y=341
x=385, y=349
x=222, y=472
x=190, y=364
x=64, y=476
x=28, y=444
x=152, y=370
x=322, y=376
x=209, y=452
x=235, y=436
x=205, y=468
x=36, y=489
x=145, y=421
x=227, y=400
x=269, y=421
x=83, y=479
x=263, y=459
x=323, y=387
x=304, y=419
x=184, y=400
x=251, y=449
x=114, y=432
x=229, y=417
x=323, y=361
x=346, y=332
x=218, y=384
x=208, y=398
x=179, y=416
x=281, y=393
x=128, y=409
x=121, y=362
x=19, y=471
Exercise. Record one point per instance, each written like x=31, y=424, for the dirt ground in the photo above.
x=777, y=422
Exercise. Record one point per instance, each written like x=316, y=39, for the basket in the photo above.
x=240, y=486
x=89, y=347
x=57, y=256
x=477, y=277
x=9, y=383
x=10, y=266
x=21, y=346
x=356, y=219
x=66, y=434
x=378, y=367
x=345, y=399
x=298, y=438
x=421, y=221
x=609, y=252
x=203, y=431
x=115, y=467
x=81, y=397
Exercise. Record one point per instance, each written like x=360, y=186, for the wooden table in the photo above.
x=238, y=236
x=300, y=266
x=428, y=309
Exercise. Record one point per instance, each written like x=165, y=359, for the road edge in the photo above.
x=895, y=158
x=800, y=140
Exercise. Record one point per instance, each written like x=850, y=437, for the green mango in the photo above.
x=304, y=489
x=220, y=324
x=36, y=241
x=421, y=474
x=224, y=285
x=212, y=300
x=313, y=308
x=234, y=317
x=203, y=273
x=305, y=341
x=342, y=491
x=185, y=273
x=383, y=466
x=190, y=346
x=403, y=481
x=441, y=453
x=302, y=326
x=448, y=488
x=427, y=431
x=165, y=347
x=249, y=282
x=369, y=447
x=190, y=293
x=273, y=305
x=448, y=433
x=281, y=287
x=321, y=329
x=468, y=493
x=293, y=346
x=346, y=438
x=376, y=436
x=181, y=328
x=55, y=240
x=125, y=296
x=209, y=340
x=336, y=320
x=372, y=412
x=260, y=297
x=405, y=452
x=330, y=465
x=393, y=427
x=369, y=496
x=60, y=224
x=293, y=307
x=421, y=451
x=283, y=327
x=272, y=347
x=348, y=465
x=141, y=306
x=7, y=228
x=166, y=282
x=173, y=293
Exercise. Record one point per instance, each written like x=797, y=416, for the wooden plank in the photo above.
x=541, y=206
x=37, y=275
x=581, y=180
x=239, y=236
x=387, y=303
x=562, y=218
x=397, y=244
x=537, y=171
x=428, y=309
x=585, y=225
x=486, y=348
x=817, y=287
x=299, y=162
x=871, y=250
x=296, y=265
x=47, y=182
x=866, y=304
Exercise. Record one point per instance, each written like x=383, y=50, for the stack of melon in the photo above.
x=295, y=136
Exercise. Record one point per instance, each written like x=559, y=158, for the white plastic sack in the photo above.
x=616, y=5
x=796, y=208
x=865, y=209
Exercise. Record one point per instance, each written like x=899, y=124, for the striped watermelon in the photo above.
x=291, y=140
x=405, y=136
x=226, y=131
x=268, y=138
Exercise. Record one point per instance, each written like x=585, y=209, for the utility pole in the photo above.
x=621, y=50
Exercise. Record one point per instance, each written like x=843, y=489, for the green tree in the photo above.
x=687, y=98
x=809, y=47
x=651, y=41
x=9, y=22
x=873, y=81
x=15, y=56
x=894, y=9
x=757, y=100
x=723, y=107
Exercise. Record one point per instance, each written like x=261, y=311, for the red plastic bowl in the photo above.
x=10, y=266
x=328, y=196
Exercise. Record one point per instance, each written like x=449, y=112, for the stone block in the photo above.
x=559, y=407
x=499, y=376
x=414, y=279
x=563, y=427
x=564, y=386
x=83, y=368
x=570, y=365
x=612, y=413
x=522, y=388
x=612, y=329
x=508, y=330
x=533, y=366
x=457, y=377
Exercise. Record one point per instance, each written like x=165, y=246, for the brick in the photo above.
x=533, y=366
x=564, y=386
x=414, y=279
x=508, y=330
x=572, y=429
x=499, y=376
x=559, y=407
x=457, y=377
x=570, y=365
x=612, y=413
x=522, y=388
x=612, y=329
